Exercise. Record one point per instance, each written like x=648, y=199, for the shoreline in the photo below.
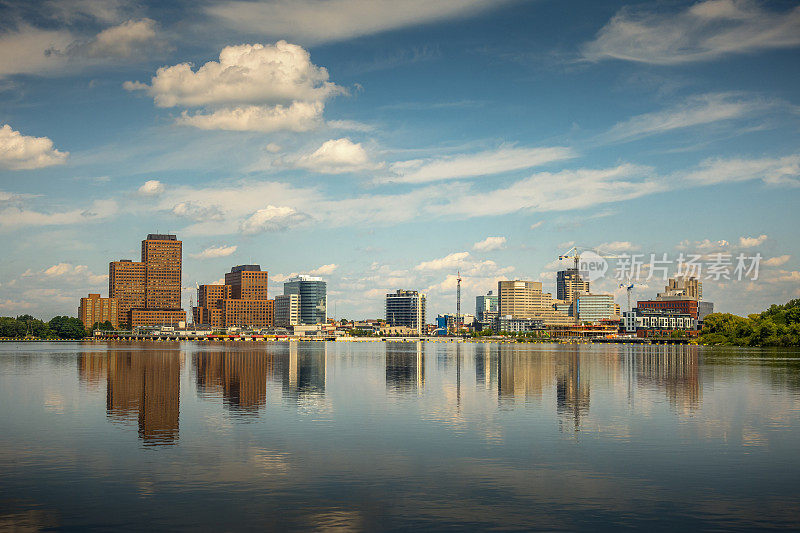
x=448, y=340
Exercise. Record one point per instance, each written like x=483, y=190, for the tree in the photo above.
x=65, y=327
x=777, y=326
x=11, y=327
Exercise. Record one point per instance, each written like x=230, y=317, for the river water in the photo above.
x=397, y=436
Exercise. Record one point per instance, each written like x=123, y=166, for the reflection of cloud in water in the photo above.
x=336, y=519
x=54, y=402
x=28, y=520
x=270, y=463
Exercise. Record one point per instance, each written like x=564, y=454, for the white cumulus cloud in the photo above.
x=151, y=188
x=197, y=211
x=213, y=252
x=23, y=152
x=337, y=156
x=448, y=262
x=750, y=242
x=777, y=261
x=616, y=246
x=490, y=243
x=253, y=87
x=271, y=218
x=70, y=273
x=297, y=117
x=324, y=270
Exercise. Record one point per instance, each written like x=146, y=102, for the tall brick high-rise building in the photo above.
x=148, y=292
x=247, y=282
x=242, y=301
x=126, y=283
x=161, y=255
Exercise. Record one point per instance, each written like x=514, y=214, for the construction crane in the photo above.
x=577, y=258
x=458, y=303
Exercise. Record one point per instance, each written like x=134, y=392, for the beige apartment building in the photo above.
x=94, y=309
x=525, y=299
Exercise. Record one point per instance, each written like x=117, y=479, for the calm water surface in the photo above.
x=398, y=436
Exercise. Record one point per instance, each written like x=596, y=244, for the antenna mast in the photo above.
x=458, y=303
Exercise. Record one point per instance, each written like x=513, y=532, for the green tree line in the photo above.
x=777, y=326
x=59, y=327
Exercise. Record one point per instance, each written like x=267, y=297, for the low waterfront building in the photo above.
x=158, y=317
x=512, y=324
x=646, y=322
x=593, y=308
x=688, y=307
x=248, y=313
x=94, y=309
x=684, y=294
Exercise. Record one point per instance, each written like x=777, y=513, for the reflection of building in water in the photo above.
x=92, y=369
x=572, y=388
x=145, y=387
x=405, y=366
x=240, y=378
x=673, y=368
x=485, y=365
x=306, y=372
x=522, y=373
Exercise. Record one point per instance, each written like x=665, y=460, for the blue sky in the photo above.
x=387, y=145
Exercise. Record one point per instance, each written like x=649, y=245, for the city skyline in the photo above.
x=389, y=151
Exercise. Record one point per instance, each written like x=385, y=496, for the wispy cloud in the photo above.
x=213, y=252
x=503, y=159
x=704, y=31
x=695, y=111
x=783, y=171
x=318, y=21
